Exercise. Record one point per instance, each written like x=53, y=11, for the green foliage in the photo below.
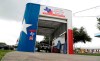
x=3, y=52
x=80, y=35
x=89, y=54
x=37, y=43
x=2, y=44
x=46, y=40
x=98, y=24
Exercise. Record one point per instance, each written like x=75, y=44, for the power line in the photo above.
x=86, y=9
x=85, y=16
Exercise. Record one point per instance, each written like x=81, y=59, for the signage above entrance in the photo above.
x=52, y=12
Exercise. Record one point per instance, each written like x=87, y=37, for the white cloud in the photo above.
x=9, y=31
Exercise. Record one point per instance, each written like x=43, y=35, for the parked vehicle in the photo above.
x=44, y=46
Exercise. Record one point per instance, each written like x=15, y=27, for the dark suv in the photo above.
x=44, y=46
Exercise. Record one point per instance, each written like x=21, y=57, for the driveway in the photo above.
x=26, y=56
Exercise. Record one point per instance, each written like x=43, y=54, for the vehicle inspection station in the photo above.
x=47, y=21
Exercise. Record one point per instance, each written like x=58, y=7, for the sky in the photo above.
x=12, y=11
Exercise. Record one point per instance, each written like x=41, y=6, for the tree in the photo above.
x=37, y=43
x=98, y=24
x=80, y=35
x=2, y=45
x=47, y=40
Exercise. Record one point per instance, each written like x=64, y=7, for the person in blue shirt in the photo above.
x=58, y=46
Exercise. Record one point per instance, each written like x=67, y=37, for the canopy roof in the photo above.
x=47, y=26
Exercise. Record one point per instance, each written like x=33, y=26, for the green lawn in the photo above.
x=3, y=52
x=90, y=54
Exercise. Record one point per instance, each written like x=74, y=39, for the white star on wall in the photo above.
x=24, y=29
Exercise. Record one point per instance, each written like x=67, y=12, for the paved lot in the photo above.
x=26, y=56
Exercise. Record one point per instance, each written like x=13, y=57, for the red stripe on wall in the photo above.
x=70, y=42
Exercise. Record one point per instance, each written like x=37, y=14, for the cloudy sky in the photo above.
x=12, y=11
